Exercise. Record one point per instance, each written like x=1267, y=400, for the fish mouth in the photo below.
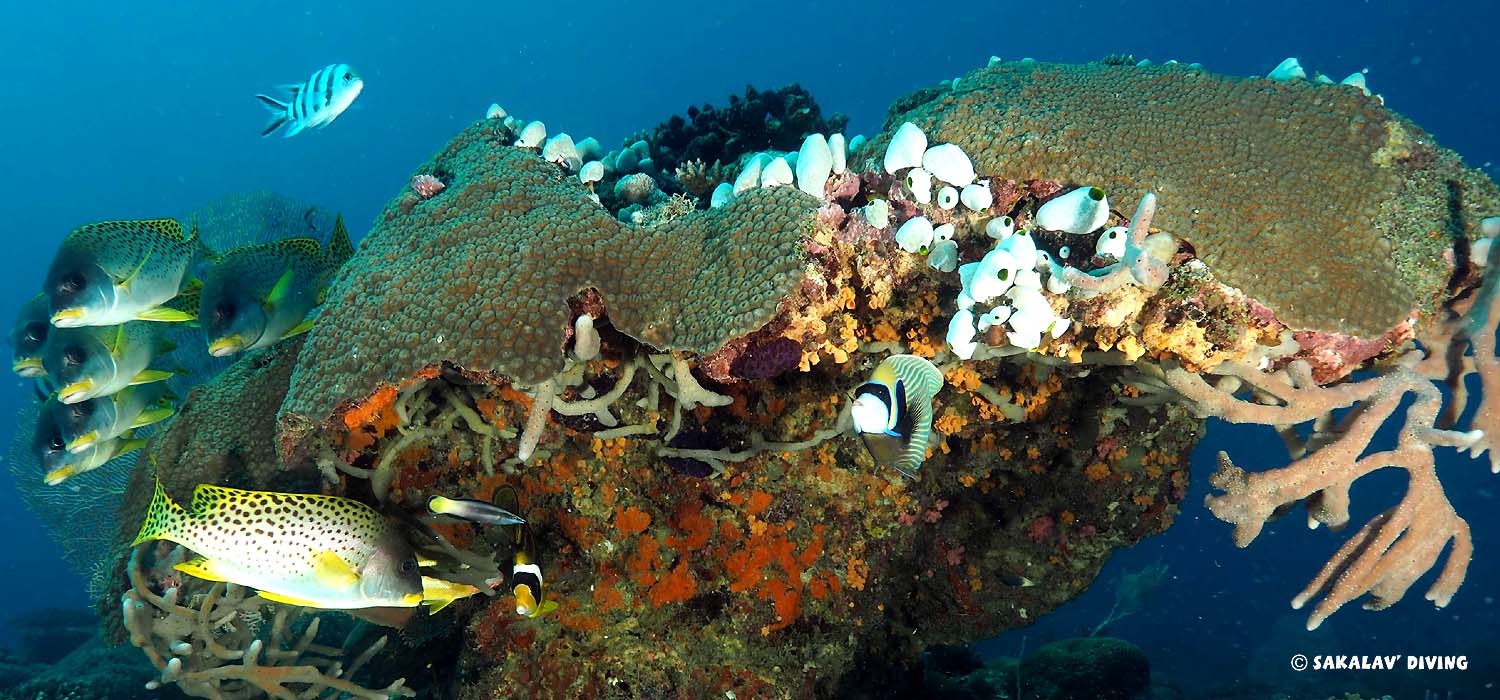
x=75, y=392
x=57, y=476
x=83, y=442
x=68, y=318
x=226, y=346
x=29, y=367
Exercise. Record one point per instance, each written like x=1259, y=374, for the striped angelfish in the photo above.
x=315, y=103
x=893, y=411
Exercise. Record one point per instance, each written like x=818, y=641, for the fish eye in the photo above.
x=56, y=443
x=73, y=356
x=408, y=566
x=36, y=332
x=82, y=409
x=348, y=76
x=72, y=282
x=224, y=311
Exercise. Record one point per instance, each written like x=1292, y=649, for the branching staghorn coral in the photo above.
x=210, y=646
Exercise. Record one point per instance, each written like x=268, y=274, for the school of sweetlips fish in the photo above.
x=633, y=375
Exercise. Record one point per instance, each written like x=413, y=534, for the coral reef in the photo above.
x=1346, y=169
x=668, y=404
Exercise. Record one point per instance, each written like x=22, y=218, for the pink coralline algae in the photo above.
x=426, y=185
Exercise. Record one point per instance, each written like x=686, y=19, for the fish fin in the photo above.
x=300, y=328
x=272, y=126
x=117, y=346
x=274, y=104
x=278, y=598
x=296, y=128
x=282, y=288
x=278, y=112
x=165, y=315
x=340, y=248
x=151, y=416
x=434, y=606
x=124, y=284
x=293, y=88
x=202, y=568
x=332, y=570
x=547, y=607
x=162, y=516
x=191, y=285
x=130, y=445
x=152, y=375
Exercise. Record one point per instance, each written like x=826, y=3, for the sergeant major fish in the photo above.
x=315, y=103
x=108, y=273
x=94, y=361
x=893, y=411
x=300, y=549
x=255, y=295
x=88, y=423
x=51, y=451
x=27, y=337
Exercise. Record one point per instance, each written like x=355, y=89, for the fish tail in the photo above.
x=163, y=517
x=278, y=113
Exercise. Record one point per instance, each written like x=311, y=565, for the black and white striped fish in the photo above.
x=315, y=103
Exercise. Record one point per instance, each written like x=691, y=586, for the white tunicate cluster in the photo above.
x=1082, y=210
x=915, y=236
x=947, y=197
x=777, y=172
x=532, y=135
x=919, y=184
x=561, y=150
x=590, y=173
x=945, y=162
x=495, y=112
x=814, y=164
x=1289, y=69
x=1007, y=281
x=877, y=213
x=944, y=255
x=1111, y=243
x=1000, y=228
x=722, y=195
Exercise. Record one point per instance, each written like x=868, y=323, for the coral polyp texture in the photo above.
x=1314, y=199
x=479, y=275
x=668, y=405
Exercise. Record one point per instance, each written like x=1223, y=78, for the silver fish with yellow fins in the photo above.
x=256, y=295
x=88, y=423
x=116, y=271
x=51, y=449
x=300, y=549
x=893, y=411
x=28, y=336
x=93, y=361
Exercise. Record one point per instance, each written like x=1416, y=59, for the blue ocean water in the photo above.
x=144, y=109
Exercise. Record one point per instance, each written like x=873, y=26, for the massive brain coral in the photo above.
x=1314, y=199
x=480, y=274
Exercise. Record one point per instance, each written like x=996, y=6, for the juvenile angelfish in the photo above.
x=256, y=295
x=51, y=449
x=86, y=363
x=27, y=337
x=893, y=411
x=300, y=549
x=314, y=103
x=88, y=423
x=117, y=271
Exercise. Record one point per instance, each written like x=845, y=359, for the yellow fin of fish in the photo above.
x=278, y=598
x=282, y=288
x=333, y=570
x=151, y=415
x=299, y=329
x=124, y=284
x=165, y=315
x=191, y=285
x=151, y=375
x=131, y=445
x=202, y=568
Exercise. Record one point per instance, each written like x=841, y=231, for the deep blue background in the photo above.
x=145, y=109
